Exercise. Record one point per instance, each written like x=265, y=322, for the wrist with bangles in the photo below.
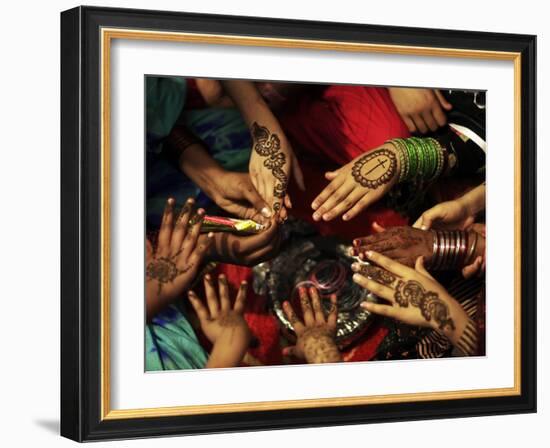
x=452, y=249
x=419, y=158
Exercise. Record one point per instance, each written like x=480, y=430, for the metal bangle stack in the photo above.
x=450, y=249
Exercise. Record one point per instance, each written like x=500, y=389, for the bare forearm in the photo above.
x=474, y=200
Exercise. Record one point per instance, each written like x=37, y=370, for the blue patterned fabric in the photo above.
x=171, y=343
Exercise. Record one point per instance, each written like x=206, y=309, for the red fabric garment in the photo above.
x=343, y=122
x=330, y=128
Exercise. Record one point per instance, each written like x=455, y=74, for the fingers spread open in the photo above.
x=211, y=296
x=201, y=250
x=225, y=304
x=180, y=228
x=240, y=300
x=199, y=307
x=332, y=316
x=165, y=232
x=306, y=306
x=193, y=233
x=318, y=311
x=297, y=325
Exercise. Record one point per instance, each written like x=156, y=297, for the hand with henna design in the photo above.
x=403, y=244
x=246, y=250
x=316, y=333
x=171, y=268
x=413, y=296
x=272, y=161
x=222, y=323
x=357, y=185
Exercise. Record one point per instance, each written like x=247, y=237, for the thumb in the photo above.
x=257, y=202
x=469, y=221
x=419, y=266
x=292, y=352
x=329, y=175
x=444, y=103
x=428, y=217
x=377, y=227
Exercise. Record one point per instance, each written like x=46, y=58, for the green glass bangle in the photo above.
x=421, y=156
x=403, y=158
x=413, y=160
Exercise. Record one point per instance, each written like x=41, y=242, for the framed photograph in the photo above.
x=276, y=224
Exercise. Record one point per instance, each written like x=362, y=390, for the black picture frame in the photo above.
x=81, y=211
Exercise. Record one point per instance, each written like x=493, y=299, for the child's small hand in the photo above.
x=315, y=335
x=222, y=324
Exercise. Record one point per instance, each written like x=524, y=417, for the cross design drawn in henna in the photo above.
x=375, y=168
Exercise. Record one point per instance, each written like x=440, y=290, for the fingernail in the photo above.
x=351, y=251
x=364, y=305
x=326, y=217
x=170, y=201
x=200, y=211
x=210, y=235
x=314, y=205
x=266, y=212
x=423, y=227
x=355, y=267
x=356, y=277
x=368, y=253
x=345, y=217
x=208, y=277
x=316, y=216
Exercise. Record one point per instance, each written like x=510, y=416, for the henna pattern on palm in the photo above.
x=429, y=303
x=375, y=168
x=269, y=145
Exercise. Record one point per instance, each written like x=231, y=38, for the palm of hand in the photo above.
x=227, y=323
